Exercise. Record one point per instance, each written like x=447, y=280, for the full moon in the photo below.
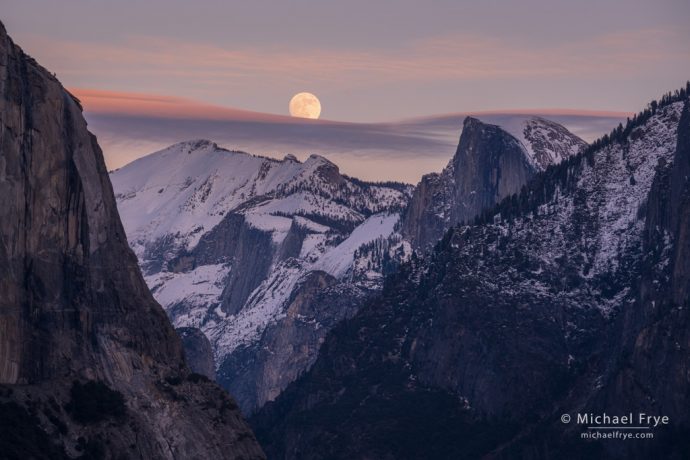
x=305, y=105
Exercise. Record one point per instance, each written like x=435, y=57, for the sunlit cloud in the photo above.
x=130, y=125
x=459, y=56
x=151, y=105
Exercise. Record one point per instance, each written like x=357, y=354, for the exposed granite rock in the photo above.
x=428, y=214
x=288, y=347
x=73, y=304
x=490, y=163
x=253, y=257
x=198, y=351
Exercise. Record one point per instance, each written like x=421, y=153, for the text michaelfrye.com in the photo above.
x=606, y=426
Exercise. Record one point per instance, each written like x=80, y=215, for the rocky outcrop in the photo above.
x=253, y=254
x=490, y=164
x=428, y=214
x=198, y=351
x=89, y=363
x=259, y=373
x=571, y=297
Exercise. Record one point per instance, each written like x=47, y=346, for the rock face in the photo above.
x=198, y=351
x=288, y=347
x=569, y=298
x=89, y=363
x=257, y=253
x=491, y=162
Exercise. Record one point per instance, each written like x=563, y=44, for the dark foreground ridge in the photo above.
x=90, y=366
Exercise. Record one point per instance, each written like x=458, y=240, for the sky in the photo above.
x=371, y=63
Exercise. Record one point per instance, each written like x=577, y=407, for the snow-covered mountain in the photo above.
x=495, y=158
x=187, y=189
x=266, y=256
x=545, y=142
x=226, y=241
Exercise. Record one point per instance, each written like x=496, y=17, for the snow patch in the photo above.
x=338, y=260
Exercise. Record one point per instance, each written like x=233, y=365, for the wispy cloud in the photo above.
x=130, y=125
x=457, y=56
x=153, y=105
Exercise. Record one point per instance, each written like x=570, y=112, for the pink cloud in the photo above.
x=130, y=125
x=99, y=101
x=460, y=56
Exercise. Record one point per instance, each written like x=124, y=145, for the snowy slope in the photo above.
x=186, y=189
x=337, y=260
x=544, y=141
x=596, y=231
x=199, y=288
x=195, y=214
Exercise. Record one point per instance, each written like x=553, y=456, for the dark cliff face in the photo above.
x=252, y=253
x=198, y=351
x=258, y=373
x=81, y=338
x=428, y=214
x=489, y=164
x=570, y=298
x=60, y=234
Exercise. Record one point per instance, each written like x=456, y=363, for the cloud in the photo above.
x=140, y=104
x=130, y=125
x=456, y=56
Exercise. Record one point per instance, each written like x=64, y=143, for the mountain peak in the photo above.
x=544, y=142
x=195, y=145
x=496, y=156
x=470, y=120
x=318, y=159
x=227, y=239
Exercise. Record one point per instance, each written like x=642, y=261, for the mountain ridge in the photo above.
x=491, y=162
x=515, y=320
x=227, y=239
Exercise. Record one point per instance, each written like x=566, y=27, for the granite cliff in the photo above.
x=90, y=366
x=491, y=162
